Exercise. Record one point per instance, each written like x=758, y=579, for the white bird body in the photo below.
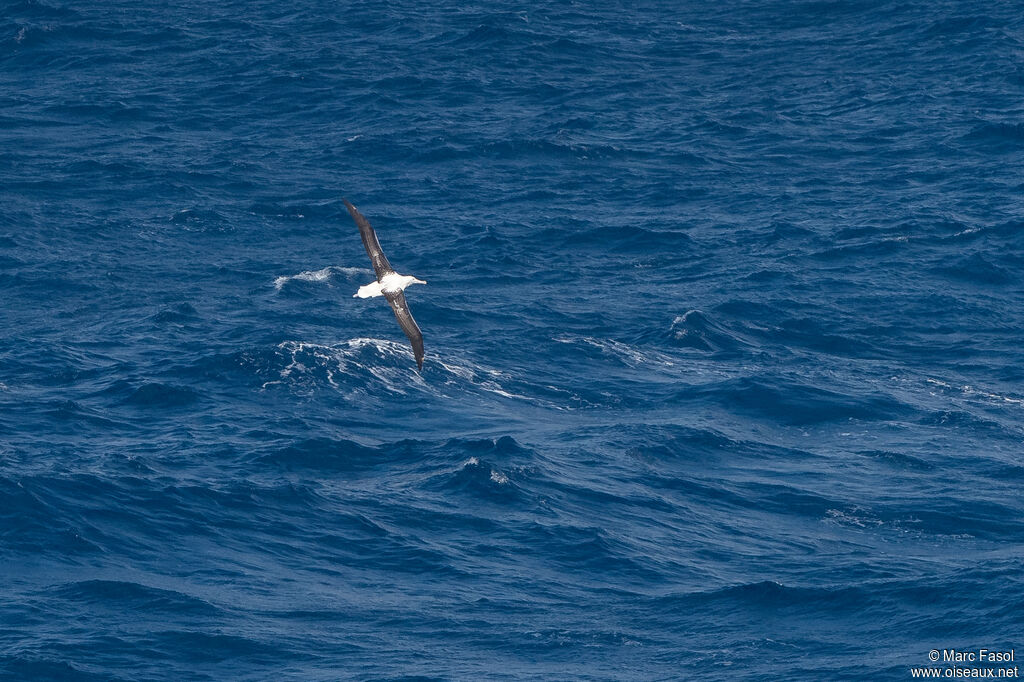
x=390, y=283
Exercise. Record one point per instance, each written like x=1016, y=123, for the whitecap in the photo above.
x=628, y=354
x=971, y=391
x=361, y=367
x=321, y=275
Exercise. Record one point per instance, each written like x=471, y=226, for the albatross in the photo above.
x=389, y=284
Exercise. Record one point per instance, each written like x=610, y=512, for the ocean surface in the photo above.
x=724, y=333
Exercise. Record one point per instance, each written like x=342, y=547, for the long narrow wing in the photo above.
x=409, y=326
x=381, y=266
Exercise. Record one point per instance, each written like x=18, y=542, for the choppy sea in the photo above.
x=724, y=333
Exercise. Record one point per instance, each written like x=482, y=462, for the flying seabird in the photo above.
x=389, y=284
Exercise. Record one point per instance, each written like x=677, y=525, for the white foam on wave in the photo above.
x=469, y=374
x=498, y=390
x=391, y=365
x=307, y=358
x=461, y=372
x=625, y=352
x=970, y=391
x=856, y=516
x=969, y=230
x=495, y=475
x=321, y=275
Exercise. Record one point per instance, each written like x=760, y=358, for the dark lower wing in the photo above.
x=409, y=326
x=381, y=266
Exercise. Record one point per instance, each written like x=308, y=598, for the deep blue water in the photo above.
x=724, y=331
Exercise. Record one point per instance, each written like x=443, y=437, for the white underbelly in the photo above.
x=369, y=290
x=393, y=282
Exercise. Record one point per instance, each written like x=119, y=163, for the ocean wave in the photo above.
x=480, y=479
x=321, y=275
x=177, y=314
x=629, y=355
x=158, y=395
x=977, y=269
x=794, y=402
x=696, y=330
x=133, y=596
x=326, y=454
x=973, y=392
x=369, y=369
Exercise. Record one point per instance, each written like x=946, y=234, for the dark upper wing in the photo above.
x=381, y=266
x=409, y=326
